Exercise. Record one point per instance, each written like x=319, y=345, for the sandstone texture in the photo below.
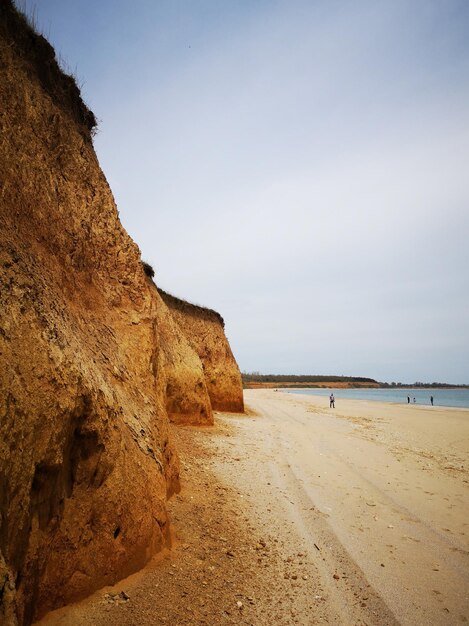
x=91, y=357
x=204, y=330
x=187, y=398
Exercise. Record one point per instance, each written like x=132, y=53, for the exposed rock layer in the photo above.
x=187, y=399
x=204, y=330
x=91, y=358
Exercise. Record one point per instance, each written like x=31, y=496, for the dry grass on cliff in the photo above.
x=41, y=62
x=148, y=269
x=179, y=304
x=190, y=309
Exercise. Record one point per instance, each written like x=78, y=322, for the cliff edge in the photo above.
x=91, y=357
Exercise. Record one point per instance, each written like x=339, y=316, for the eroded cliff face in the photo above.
x=187, y=398
x=204, y=330
x=86, y=461
x=92, y=360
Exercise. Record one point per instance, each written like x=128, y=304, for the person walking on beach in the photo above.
x=431, y=400
x=331, y=401
x=414, y=400
x=408, y=399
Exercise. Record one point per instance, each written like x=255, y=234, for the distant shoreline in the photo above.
x=344, y=385
x=315, y=385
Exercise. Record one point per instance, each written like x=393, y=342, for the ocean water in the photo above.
x=441, y=397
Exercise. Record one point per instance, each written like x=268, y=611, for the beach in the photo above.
x=392, y=484
x=296, y=513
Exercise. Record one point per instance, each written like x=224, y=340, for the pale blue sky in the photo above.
x=302, y=167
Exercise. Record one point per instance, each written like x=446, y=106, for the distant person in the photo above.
x=408, y=399
x=414, y=400
x=331, y=401
x=431, y=400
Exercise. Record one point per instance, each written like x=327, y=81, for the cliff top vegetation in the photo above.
x=41, y=63
x=191, y=309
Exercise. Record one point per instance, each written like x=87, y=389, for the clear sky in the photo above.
x=300, y=166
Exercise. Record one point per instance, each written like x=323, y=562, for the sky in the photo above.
x=302, y=167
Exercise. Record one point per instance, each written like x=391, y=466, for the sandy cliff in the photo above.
x=204, y=330
x=90, y=356
x=187, y=398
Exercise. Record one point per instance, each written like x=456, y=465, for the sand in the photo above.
x=301, y=514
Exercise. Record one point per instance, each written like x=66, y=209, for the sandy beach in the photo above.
x=301, y=514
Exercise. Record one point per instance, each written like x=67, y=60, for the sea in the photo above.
x=441, y=397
